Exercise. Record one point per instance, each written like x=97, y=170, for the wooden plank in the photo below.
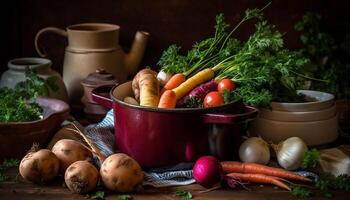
x=21, y=189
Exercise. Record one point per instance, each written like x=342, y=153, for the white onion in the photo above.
x=254, y=150
x=290, y=153
x=163, y=77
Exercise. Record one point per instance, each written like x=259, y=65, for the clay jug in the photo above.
x=93, y=46
x=42, y=66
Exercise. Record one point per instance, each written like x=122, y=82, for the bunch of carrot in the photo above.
x=257, y=173
x=178, y=86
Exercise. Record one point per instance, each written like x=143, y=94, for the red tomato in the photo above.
x=213, y=99
x=226, y=84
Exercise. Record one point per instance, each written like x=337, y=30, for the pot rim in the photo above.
x=172, y=110
x=33, y=63
x=104, y=27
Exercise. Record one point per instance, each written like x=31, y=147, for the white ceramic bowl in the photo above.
x=318, y=101
x=298, y=116
x=313, y=133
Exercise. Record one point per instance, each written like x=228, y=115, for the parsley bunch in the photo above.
x=18, y=105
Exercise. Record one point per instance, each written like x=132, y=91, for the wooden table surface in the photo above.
x=14, y=189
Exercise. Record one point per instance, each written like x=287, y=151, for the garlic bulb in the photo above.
x=254, y=150
x=290, y=153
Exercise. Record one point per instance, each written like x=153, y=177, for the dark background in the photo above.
x=168, y=21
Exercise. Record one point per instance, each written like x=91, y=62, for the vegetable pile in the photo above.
x=261, y=68
x=73, y=160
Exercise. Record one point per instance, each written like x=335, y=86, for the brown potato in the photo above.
x=68, y=151
x=81, y=177
x=121, y=173
x=40, y=166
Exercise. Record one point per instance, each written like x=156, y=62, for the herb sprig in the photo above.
x=311, y=159
x=185, y=195
x=98, y=195
x=5, y=165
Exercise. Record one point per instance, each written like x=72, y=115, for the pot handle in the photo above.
x=249, y=114
x=99, y=95
x=45, y=30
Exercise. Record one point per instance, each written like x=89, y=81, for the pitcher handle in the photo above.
x=45, y=30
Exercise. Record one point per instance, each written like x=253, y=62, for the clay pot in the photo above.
x=94, y=112
x=16, y=138
x=315, y=121
x=42, y=66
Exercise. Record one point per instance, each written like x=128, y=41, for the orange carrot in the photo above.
x=175, y=81
x=253, y=168
x=259, y=178
x=167, y=100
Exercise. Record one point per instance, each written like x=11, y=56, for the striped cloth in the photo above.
x=103, y=136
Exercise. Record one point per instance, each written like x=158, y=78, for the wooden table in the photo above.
x=20, y=189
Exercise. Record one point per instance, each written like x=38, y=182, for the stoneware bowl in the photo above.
x=291, y=116
x=317, y=101
x=313, y=132
x=16, y=138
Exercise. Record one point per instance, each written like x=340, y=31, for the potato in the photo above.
x=121, y=173
x=40, y=166
x=68, y=151
x=81, y=177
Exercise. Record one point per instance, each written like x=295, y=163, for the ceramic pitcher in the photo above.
x=93, y=46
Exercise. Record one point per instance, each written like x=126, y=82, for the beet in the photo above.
x=199, y=92
x=207, y=171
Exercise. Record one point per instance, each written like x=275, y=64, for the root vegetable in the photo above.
x=290, y=153
x=199, y=92
x=146, y=88
x=253, y=168
x=259, y=178
x=39, y=166
x=254, y=150
x=81, y=177
x=121, y=173
x=131, y=100
x=207, y=171
x=174, y=81
x=163, y=77
x=167, y=100
x=194, y=81
x=68, y=151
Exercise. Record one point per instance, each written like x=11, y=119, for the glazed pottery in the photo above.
x=42, y=66
x=16, y=138
x=157, y=137
x=92, y=46
x=298, y=116
x=95, y=112
x=312, y=132
x=315, y=121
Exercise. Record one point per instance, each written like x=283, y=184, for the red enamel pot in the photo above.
x=161, y=137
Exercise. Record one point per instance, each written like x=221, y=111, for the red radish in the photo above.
x=207, y=171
